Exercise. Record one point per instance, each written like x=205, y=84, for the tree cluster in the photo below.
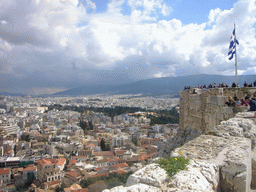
x=22, y=187
x=111, y=112
x=25, y=137
x=110, y=181
x=84, y=125
x=165, y=117
x=104, y=146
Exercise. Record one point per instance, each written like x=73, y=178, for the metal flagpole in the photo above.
x=235, y=53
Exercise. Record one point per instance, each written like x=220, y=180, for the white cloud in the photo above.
x=214, y=13
x=59, y=42
x=115, y=6
x=146, y=10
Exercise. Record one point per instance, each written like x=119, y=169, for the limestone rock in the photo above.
x=199, y=176
x=236, y=172
x=232, y=154
x=183, y=136
x=151, y=174
x=134, y=188
x=241, y=126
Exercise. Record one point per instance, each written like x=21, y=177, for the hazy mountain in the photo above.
x=157, y=86
x=11, y=94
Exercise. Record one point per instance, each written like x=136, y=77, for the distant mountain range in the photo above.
x=151, y=87
x=157, y=86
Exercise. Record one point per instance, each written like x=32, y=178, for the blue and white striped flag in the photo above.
x=232, y=46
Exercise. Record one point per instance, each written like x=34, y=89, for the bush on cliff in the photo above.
x=172, y=165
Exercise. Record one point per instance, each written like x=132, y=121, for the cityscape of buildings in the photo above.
x=63, y=146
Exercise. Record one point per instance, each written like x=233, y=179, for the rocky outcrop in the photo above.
x=137, y=187
x=183, y=136
x=199, y=176
x=223, y=159
x=231, y=154
x=156, y=178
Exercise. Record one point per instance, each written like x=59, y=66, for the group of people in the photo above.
x=247, y=101
x=220, y=85
x=214, y=85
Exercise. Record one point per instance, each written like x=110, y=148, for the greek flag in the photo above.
x=232, y=46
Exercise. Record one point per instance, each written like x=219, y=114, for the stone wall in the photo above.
x=204, y=109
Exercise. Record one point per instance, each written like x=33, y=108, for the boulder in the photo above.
x=199, y=176
x=134, y=188
x=151, y=174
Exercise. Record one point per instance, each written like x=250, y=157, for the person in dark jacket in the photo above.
x=252, y=104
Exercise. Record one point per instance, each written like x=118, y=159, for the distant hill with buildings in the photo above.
x=157, y=86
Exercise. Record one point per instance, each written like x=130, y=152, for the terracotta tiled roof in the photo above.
x=100, y=174
x=5, y=171
x=72, y=162
x=29, y=169
x=43, y=162
x=120, y=152
x=75, y=186
x=120, y=165
x=114, y=159
x=54, y=182
x=145, y=156
x=135, y=158
x=61, y=161
x=120, y=171
x=72, y=174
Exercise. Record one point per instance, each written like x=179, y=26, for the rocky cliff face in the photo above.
x=223, y=159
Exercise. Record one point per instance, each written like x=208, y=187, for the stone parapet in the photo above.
x=203, y=109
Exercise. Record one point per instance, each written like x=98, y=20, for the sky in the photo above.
x=48, y=46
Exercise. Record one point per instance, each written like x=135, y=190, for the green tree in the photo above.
x=83, y=125
x=102, y=145
x=98, y=186
x=60, y=188
x=25, y=138
x=90, y=125
x=24, y=186
x=113, y=182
